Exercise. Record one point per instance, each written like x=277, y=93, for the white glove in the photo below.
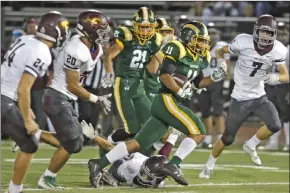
x=106, y=103
x=165, y=40
x=186, y=91
x=88, y=130
x=108, y=80
x=199, y=91
x=271, y=78
x=220, y=71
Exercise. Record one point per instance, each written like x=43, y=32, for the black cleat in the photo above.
x=175, y=172
x=95, y=173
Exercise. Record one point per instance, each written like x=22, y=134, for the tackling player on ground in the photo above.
x=185, y=58
x=257, y=53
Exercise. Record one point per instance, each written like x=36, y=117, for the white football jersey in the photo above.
x=251, y=67
x=75, y=56
x=131, y=166
x=26, y=54
x=213, y=62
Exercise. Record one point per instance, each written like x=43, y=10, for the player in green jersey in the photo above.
x=133, y=52
x=186, y=57
x=152, y=83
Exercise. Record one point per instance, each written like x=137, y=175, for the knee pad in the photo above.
x=74, y=145
x=28, y=147
x=275, y=127
x=227, y=139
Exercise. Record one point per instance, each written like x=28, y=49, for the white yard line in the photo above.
x=175, y=186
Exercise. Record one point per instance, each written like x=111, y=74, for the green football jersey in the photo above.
x=188, y=64
x=152, y=83
x=134, y=57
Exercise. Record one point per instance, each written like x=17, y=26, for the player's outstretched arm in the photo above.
x=155, y=62
x=111, y=53
x=283, y=73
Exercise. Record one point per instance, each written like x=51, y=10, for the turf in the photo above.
x=234, y=172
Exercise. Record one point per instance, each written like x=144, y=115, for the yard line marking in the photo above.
x=174, y=186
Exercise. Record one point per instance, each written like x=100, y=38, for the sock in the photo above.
x=49, y=173
x=207, y=139
x=253, y=142
x=286, y=132
x=172, y=138
x=118, y=152
x=158, y=145
x=211, y=162
x=166, y=149
x=185, y=148
x=13, y=188
x=274, y=139
x=37, y=134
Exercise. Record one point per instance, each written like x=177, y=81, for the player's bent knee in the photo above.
x=29, y=147
x=274, y=128
x=74, y=145
x=228, y=139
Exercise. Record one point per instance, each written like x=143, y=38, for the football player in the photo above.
x=212, y=97
x=277, y=94
x=27, y=58
x=76, y=60
x=185, y=58
x=257, y=53
x=132, y=52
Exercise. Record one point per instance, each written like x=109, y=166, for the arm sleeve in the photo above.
x=235, y=46
x=168, y=66
x=38, y=62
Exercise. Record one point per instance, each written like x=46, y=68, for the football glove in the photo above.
x=105, y=102
x=186, y=91
x=108, y=80
x=88, y=130
x=271, y=78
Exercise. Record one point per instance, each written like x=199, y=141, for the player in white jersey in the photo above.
x=76, y=60
x=278, y=94
x=257, y=53
x=212, y=97
x=27, y=58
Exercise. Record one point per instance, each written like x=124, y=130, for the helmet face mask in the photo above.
x=195, y=36
x=144, y=24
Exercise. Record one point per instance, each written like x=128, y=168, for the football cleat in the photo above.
x=206, y=172
x=108, y=179
x=47, y=182
x=286, y=148
x=175, y=172
x=95, y=173
x=253, y=154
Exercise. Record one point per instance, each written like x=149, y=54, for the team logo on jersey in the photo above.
x=93, y=21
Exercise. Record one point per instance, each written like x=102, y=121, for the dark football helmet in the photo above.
x=144, y=24
x=53, y=26
x=265, y=30
x=164, y=27
x=195, y=36
x=93, y=25
x=30, y=25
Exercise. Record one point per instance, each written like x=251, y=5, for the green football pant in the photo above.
x=132, y=103
x=167, y=111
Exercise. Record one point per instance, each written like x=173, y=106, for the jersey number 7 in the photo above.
x=257, y=66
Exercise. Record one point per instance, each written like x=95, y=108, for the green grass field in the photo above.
x=234, y=173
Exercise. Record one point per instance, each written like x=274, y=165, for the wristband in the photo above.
x=93, y=98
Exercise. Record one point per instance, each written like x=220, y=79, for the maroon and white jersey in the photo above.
x=251, y=67
x=75, y=56
x=26, y=54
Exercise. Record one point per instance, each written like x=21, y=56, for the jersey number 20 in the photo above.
x=139, y=57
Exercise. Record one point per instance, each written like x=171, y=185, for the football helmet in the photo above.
x=194, y=35
x=30, y=25
x=265, y=30
x=53, y=26
x=93, y=25
x=144, y=24
x=164, y=27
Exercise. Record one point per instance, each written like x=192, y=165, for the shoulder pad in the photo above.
x=78, y=50
x=244, y=37
x=123, y=33
x=280, y=51
x=174, y=49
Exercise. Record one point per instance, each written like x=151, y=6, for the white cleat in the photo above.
x=206, y=172
x=14, y=147
x=253, y=154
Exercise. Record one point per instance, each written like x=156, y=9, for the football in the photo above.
x=180, y=79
